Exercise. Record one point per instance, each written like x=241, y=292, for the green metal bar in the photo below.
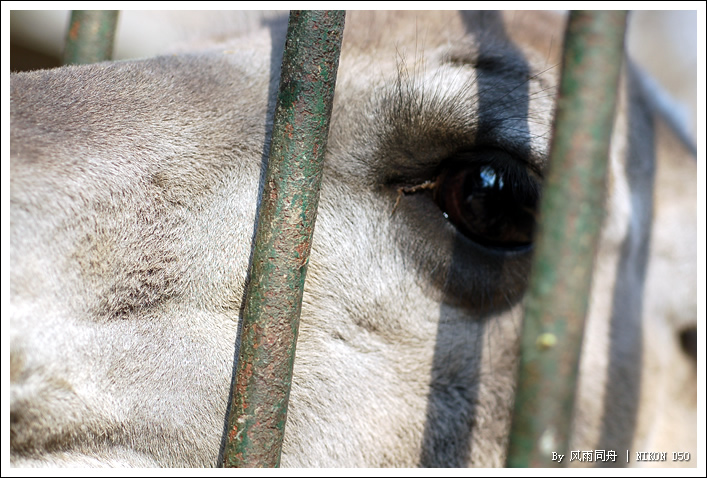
x=283, y=239
x=90, y=36
x=571, y=215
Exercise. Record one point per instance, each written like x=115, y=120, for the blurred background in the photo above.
x=662, y=42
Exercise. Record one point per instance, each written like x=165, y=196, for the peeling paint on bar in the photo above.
x=288, y=210
x=571, y=215
x=90, y=36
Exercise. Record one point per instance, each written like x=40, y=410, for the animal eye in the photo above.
x=491, y=199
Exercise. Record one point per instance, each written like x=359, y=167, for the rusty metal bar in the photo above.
x=283, y=239
x=90, y=36
x=571, y=214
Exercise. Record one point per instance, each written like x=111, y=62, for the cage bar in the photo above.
x=90, y=36
x=287, y=215
x=571, y=215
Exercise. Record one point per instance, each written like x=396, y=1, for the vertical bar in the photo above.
x=90, y=36
x=571, y=216
x=283, y=239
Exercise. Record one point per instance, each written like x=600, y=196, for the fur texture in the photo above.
x=134, y=188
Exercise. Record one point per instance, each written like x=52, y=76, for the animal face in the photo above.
x=134, y=190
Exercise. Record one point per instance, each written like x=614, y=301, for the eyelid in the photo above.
x=532, y=159
x=500, y=159
x=431, y=170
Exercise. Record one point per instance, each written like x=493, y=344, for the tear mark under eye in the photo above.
x=427, y=185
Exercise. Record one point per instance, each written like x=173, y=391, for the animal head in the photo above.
x=134, y=189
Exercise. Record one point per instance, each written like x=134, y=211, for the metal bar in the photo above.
x=90, y=36
x=283, y=239
x=571, y=217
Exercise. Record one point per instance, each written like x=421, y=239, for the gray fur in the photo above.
x=134, y=188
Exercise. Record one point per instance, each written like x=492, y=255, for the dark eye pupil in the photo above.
x=492, y=207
